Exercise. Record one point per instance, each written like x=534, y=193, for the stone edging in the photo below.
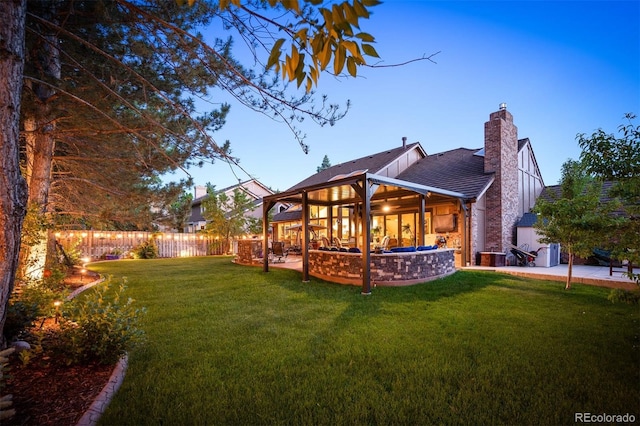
x=79, y=290
x=92, y=415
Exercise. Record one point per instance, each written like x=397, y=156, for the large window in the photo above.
x=408, y=229
x=402, y=229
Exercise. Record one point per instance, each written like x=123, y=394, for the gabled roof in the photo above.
x=241, y=185
x=458, y=170
x=371, y=163
x=522, y=143
x=244, y=186
x=290, y=215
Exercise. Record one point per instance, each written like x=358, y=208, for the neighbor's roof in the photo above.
x=527, y=220
x=554, y=192
x=292, y=214
x=459, y=170
x=371, y=163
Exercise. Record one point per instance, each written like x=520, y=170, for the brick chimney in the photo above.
x=199, y=191
x=501, y=158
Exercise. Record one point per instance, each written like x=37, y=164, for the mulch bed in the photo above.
x=47, y=394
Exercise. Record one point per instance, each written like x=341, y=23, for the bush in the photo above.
x=96, y=328
x=31, y=302
x=625, y=296
x=146, y=250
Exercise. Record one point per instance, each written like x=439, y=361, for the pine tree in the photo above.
x=226, y=216
x=109, y=95
x=325, y=164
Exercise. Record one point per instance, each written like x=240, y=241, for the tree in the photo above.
x=227, y=216
x=576, y=218
x=618, y=160
x=126, y=70
x=111, y=84
x=13, y=189
x=325, y=164
x=179, y=212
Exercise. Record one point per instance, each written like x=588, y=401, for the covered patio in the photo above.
x=346, y=206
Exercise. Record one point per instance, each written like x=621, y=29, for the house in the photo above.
x=254, y=189
x=468, y=199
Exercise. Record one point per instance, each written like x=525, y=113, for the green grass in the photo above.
x=229, y=344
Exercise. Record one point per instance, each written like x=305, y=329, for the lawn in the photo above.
x=230, y=344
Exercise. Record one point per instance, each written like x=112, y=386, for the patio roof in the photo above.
x=355, y=187
x=341, y=190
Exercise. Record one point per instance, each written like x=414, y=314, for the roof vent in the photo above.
x=503, y=106
x=404, y=141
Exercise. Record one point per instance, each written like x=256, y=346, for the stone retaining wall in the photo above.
x=388, y=269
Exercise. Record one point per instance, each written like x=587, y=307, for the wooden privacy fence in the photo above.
x=112, y=244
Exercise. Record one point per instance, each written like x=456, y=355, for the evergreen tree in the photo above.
x=325, y=164
x=13, y=188
x=227, y=216
x=179, y=212
x=109, y=89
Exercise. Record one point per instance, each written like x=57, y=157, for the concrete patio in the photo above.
x=581, y=274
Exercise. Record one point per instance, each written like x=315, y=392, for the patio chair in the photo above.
x=384, y=244
x=277, y=252
x=337, y=243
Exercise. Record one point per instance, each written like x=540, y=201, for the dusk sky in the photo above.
x=562, y=68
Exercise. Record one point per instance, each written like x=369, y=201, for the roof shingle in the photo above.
x=458, y=170
x=372, y=163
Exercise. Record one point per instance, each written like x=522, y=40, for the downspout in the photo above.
x=305, y=237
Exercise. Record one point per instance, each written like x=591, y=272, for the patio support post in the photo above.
x=421, y=219
x=265, y=234
x=366, y=228
x=330, y=222
x=305, y=237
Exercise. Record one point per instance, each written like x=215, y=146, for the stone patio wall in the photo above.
x=388, y=269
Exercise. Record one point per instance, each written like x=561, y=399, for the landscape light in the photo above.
x=57, y=304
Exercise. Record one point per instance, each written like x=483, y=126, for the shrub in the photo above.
x=98, y=328
x=31, y=302
x=146, y=250
x=625, y=296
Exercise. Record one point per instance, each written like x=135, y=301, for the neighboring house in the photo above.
x=254, y=190
x=471, y=198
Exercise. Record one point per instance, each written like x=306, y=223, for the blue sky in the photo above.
x=562, y=67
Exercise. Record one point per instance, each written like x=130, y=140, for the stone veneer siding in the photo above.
x=501, y=158
x=389, y=269
x=247, y=250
